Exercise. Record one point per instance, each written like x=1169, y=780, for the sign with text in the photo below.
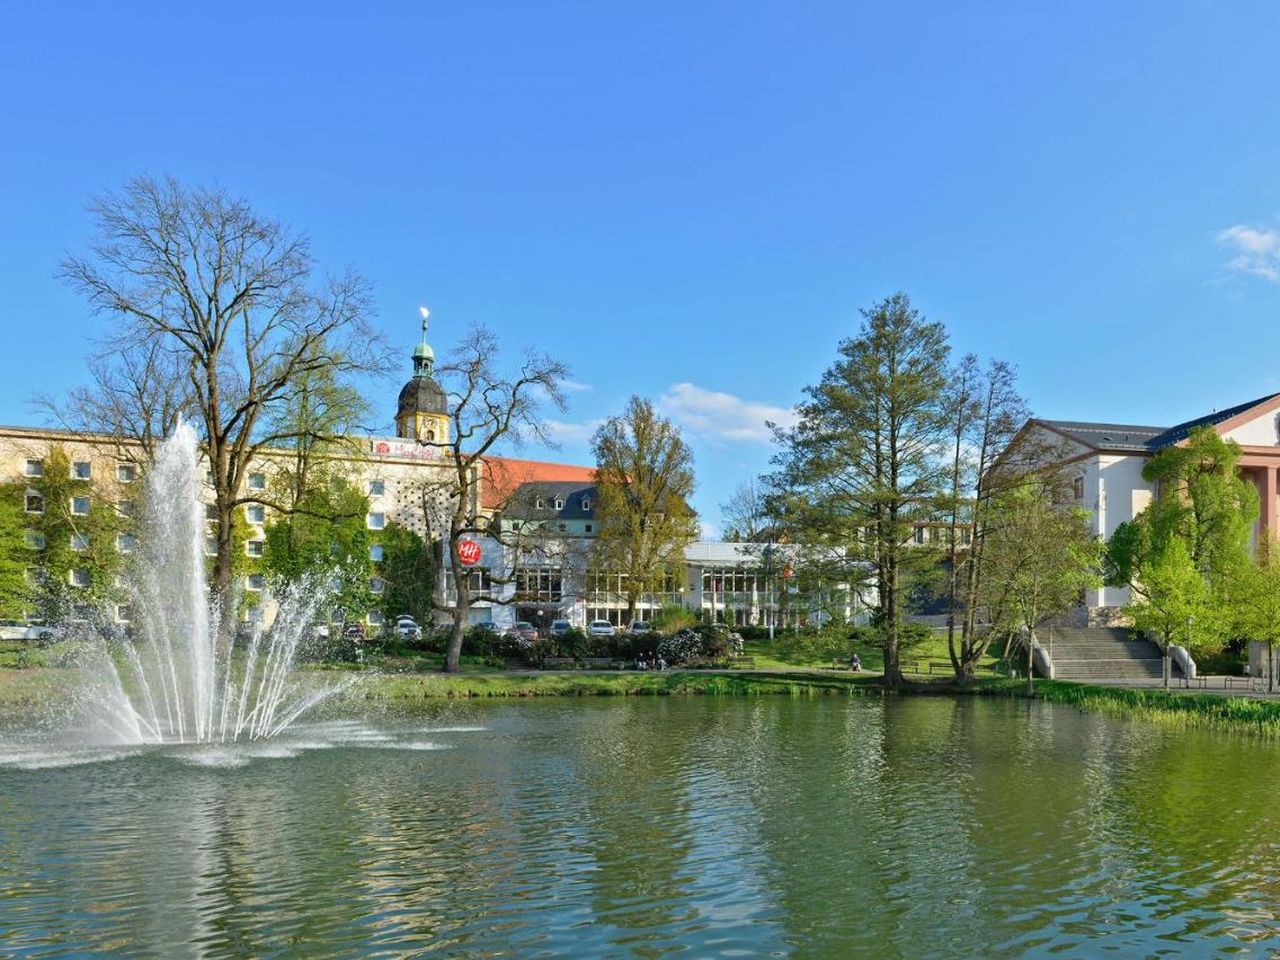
x=388, y=447
x=468, y=553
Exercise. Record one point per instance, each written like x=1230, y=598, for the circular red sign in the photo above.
x=468, y=553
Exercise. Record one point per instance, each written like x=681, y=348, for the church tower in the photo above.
x=422, y=413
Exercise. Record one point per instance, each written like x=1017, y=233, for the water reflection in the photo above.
x=652, y=827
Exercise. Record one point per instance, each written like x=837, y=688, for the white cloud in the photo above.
x=561, y=432
x=722, y=416
x=1255, y=250
x=573, y=386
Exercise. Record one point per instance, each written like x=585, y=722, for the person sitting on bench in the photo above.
x=855, y=663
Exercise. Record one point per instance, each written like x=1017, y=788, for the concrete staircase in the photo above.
x=1096, y=654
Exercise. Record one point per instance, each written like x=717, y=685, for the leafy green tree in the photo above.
x=864, y=465
x=408, y=569
x=1258, y=609
x=14, y=553
x=1040, y=557
x=76, y=552
x=1204, y=504
x=644, y=480
x=325, y=533
x=1171, y=594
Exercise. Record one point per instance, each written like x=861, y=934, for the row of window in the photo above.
x=83, y=470
x=540, y=503
x=34, y=503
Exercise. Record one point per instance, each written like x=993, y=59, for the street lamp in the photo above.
x=1186, y=676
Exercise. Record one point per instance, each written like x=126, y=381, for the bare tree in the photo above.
x=746, y=512
x=644, y=479
x=136, y=397
x=229, y=298
x=488, y=407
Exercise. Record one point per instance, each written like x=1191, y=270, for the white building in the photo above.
x=1105, y=461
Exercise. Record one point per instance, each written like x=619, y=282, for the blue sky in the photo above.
x=691, y=201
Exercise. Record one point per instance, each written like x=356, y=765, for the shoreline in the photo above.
x=35, y=691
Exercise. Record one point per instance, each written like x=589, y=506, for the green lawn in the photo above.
x=782, y=654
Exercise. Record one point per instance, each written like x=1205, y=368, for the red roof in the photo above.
x=503, y=475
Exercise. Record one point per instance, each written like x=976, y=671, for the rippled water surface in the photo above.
x=651, y=827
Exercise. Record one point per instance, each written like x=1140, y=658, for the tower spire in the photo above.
x=424, y=358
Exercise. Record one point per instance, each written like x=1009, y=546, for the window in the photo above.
x=256, y=513
x=1077, y=488
x=79, y=577
x=374, y=618
x=126, y=472
x=126, y=542
x=210, y=546
x=211, y=511
x=124, y=612
x=377, y=585
x=254, y=548
x=81, y=470
x=919, y=535
x=376, y=521
x=257, y=481
x=588, y=528
x=586, y=504
x=80, y=506
x=376, y=553
x=35, y=468
x=34, y=539
x=562, y=528
x=79, y=541
x=538, y=583
x=539, y=504
x=377, y=488
x=559, y=504
x=255, y=581
x=34, y=502
x=208, y=477
x=966, y=536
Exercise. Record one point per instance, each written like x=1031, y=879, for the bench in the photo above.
x=1229, y=682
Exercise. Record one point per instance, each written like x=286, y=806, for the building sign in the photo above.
x=387, y=447
x=468, y=553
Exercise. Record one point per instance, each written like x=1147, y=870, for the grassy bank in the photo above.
x=409, y=687
x=1167, y=708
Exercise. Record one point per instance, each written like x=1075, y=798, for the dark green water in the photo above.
x=653, y=827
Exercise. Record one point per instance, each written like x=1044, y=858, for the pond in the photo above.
x=652, y=827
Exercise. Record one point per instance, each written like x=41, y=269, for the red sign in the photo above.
x=468, y=553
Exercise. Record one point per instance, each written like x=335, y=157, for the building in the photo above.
x=1104, y=463
x=410, y=479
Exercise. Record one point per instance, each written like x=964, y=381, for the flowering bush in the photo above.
x=681, y=647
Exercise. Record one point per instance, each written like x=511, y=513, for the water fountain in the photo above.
x=176, y=680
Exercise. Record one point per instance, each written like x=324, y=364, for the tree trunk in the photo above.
x=1031, y=663
x=453, y=654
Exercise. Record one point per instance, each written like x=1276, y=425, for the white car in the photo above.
x=640, y=627
x=601, y=628
x=21, y=630
x=407, y=629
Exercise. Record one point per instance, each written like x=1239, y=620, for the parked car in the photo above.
x=601, y=628
x=21, y=630
x=639, y=627
x=560, y=627
x=523, y=630
x=407, y=628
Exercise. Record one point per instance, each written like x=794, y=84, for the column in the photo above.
x=1267, y=493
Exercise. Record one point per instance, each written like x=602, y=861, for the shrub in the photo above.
x=672, y=618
